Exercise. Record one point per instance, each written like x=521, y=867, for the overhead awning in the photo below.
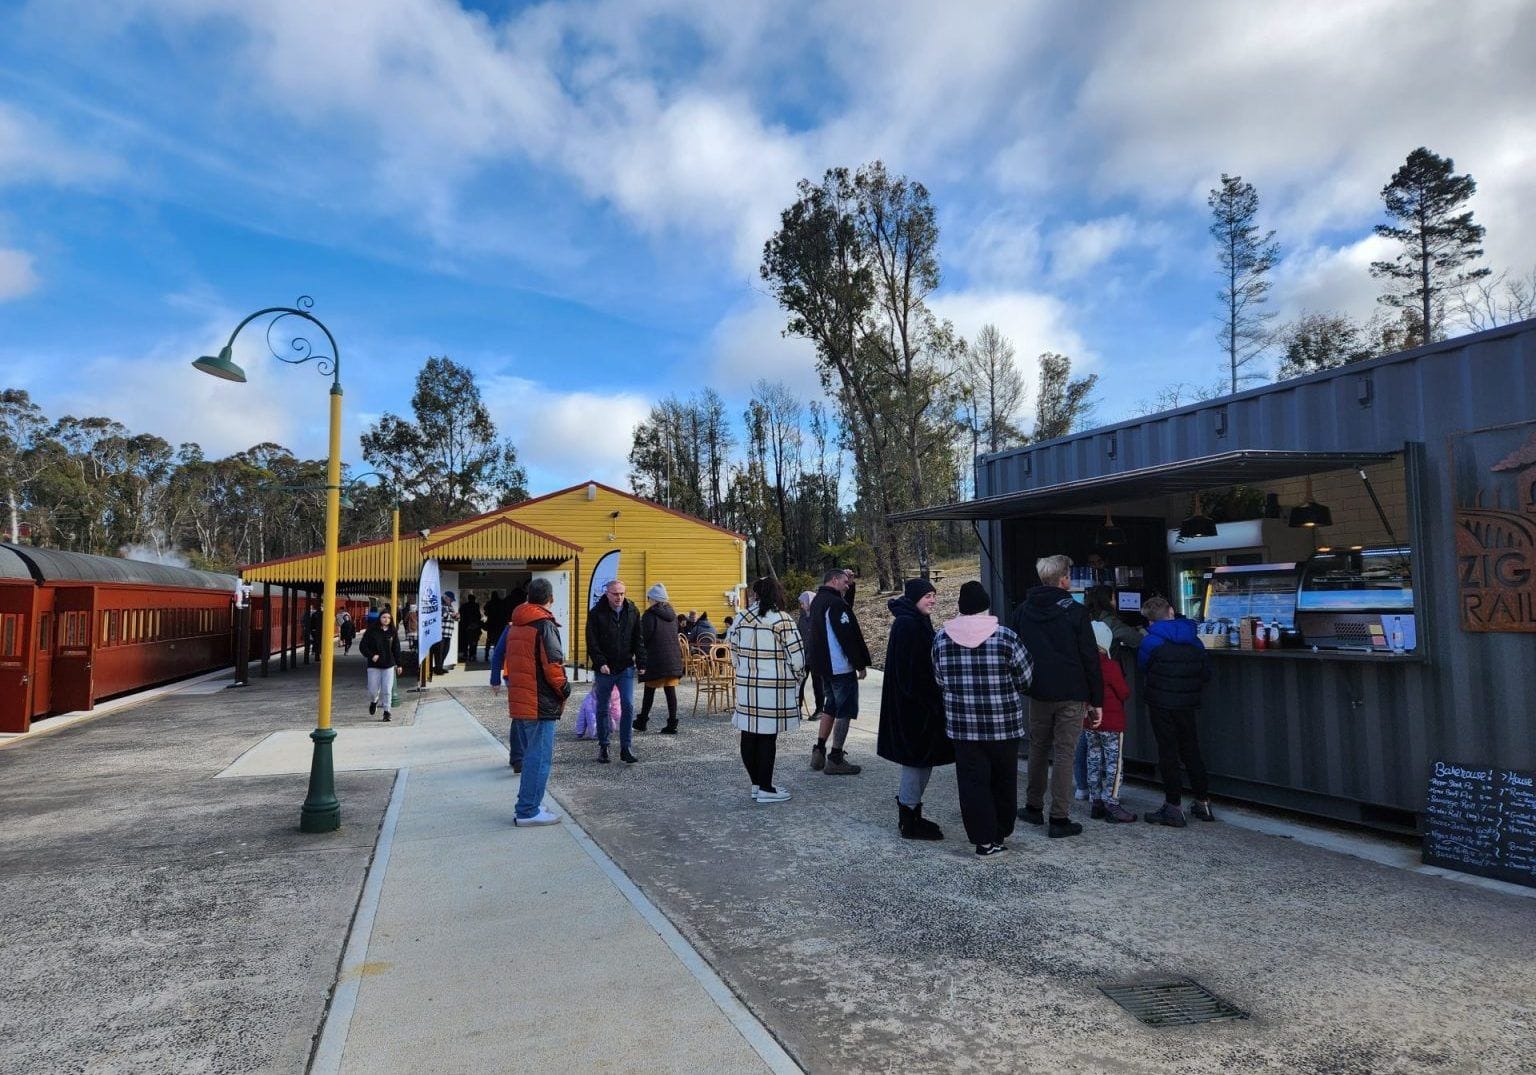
x=1247, y=467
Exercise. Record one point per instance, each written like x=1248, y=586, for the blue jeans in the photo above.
x=515, y=744
x=538, y=743
x=603, y=687
x=1080, y=763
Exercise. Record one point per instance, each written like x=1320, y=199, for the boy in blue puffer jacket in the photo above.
x=1177, y=668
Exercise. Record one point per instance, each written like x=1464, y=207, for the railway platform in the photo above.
x=166, y=914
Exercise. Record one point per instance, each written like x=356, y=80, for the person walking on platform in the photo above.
x=984, y=675
x=1068, y=690
x=497, y=615
x=839, y=655
x=348, y=631
x=380, y=647
x=534, y=669
x=663, y=669
x=769, y=656
x=470, y=623
x=911, y=708
x=1178, y=668
x=615, y=648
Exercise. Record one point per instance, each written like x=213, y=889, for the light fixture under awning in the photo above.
x=1248, y=467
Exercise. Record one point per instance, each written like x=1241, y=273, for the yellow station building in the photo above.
x=561, y=536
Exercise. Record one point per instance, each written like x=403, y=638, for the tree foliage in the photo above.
x=1245, y=256
x=1425, y=199
x=992, y=390
x=1062, y=404
x=1321, y=341
x=450, y=461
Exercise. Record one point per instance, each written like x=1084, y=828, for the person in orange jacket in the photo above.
x=534, y=670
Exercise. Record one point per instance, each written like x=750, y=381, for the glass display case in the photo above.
x=1358, y=599
x=1267, y=591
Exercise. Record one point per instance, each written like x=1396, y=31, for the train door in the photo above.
x=42, y=652
x=16, y=626
x=74, y=610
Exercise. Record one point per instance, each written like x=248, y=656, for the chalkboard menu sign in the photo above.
x=1482, y=820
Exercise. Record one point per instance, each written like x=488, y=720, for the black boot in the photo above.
x=671, y=727
x=922, y=828
x=905, y=823
x=642, y=722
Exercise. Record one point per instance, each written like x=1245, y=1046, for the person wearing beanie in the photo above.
x=1104, y=742
x=663, y=669
x=911, y=730
x=1068, y=692
x=984, y=675
x=838, y=654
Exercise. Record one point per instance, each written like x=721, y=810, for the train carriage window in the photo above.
x=44, y=631
x=10, y=634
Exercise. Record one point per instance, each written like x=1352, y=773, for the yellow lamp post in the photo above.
x=321, y=811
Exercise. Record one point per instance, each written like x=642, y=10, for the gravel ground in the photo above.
x=866, y=953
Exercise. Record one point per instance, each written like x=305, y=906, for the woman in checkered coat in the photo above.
x=770, y=663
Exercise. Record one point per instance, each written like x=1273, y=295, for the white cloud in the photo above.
x=32, y=151
x=1324, y=278
x=749, y=345
x=1032, y=322
x=17, y=276
x=565, y=437
x=1081, y=248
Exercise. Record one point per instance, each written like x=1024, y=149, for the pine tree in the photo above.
x=1245, y=257
x=1423, y=199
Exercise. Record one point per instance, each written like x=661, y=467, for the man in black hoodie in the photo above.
x=836, y=651
x=1068, y=689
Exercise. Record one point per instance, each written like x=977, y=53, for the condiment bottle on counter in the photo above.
x=1260, y=634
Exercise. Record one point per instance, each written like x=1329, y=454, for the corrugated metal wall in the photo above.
x=1339, y=737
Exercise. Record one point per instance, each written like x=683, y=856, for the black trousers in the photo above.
x=650, y=696
x=757, y=754
x=1178, y=744
x=987, y=772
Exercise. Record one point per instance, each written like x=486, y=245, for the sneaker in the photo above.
x=818, y=756
x=386, y=714
x=1062, y=826
x=1035, y=815
x=1202, y=810
x=373, y=707
x=1167, y=814
x=543, y=817
x=838, y=765
x=602, y=753
x=1116, y=814
x=988, y=850
x=777, y=795
x=626, y=757
x=1097, y=810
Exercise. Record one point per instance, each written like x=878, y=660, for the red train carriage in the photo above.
x=76, y=628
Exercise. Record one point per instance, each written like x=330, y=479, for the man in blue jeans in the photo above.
x=534, y=667
x=616, y=650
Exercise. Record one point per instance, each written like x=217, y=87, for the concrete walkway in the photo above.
x=480, y=946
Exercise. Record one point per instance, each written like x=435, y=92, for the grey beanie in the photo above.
x=657, y=592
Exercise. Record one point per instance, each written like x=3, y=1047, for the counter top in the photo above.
x=1306, y=654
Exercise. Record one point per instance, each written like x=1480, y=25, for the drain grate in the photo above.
x=1177, y=1002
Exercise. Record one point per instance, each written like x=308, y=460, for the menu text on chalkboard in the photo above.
x=1482, y=820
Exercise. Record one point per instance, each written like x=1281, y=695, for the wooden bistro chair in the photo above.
x=716, y=685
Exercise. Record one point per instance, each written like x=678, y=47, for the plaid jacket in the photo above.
x=770, y=662
x=984, y=688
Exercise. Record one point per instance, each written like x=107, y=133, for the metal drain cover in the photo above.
x=1176, y=1002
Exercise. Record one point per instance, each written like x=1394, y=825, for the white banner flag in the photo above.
x=429, y=611
x=606, y=571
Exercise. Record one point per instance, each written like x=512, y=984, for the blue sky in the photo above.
x=572, y=197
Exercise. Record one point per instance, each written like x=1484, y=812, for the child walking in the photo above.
x=1103, y=742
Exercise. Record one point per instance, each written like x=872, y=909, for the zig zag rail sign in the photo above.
x=1494, y=478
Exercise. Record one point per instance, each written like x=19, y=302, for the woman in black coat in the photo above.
x=911, y=708
x=663, y=658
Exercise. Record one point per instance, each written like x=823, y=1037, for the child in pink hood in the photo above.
x=984, y=673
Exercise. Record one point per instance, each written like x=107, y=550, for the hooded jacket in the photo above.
x=984, y=675
x=1116, y=691
x=1176, y=664
x=612, y=639
x=534, y=665
x=1058, y=633
x=658, y=633
x=830, y=607
x=911, y=707
x=380, y=642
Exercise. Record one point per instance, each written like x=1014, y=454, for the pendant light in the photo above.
x=1109, y=536
x=1311, y=514
x=1198, y=525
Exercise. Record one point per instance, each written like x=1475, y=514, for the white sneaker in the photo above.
x=754, y=793
x=776, y=796
x=543, y=817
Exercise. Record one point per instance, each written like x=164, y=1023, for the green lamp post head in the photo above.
x=222, y=367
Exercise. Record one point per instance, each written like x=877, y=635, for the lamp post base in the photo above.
x=321, y=812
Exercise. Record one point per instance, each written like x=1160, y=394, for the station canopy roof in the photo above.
x=368, y=563
x=1246, y=467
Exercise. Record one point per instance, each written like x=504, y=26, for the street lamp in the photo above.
x=321, y=811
